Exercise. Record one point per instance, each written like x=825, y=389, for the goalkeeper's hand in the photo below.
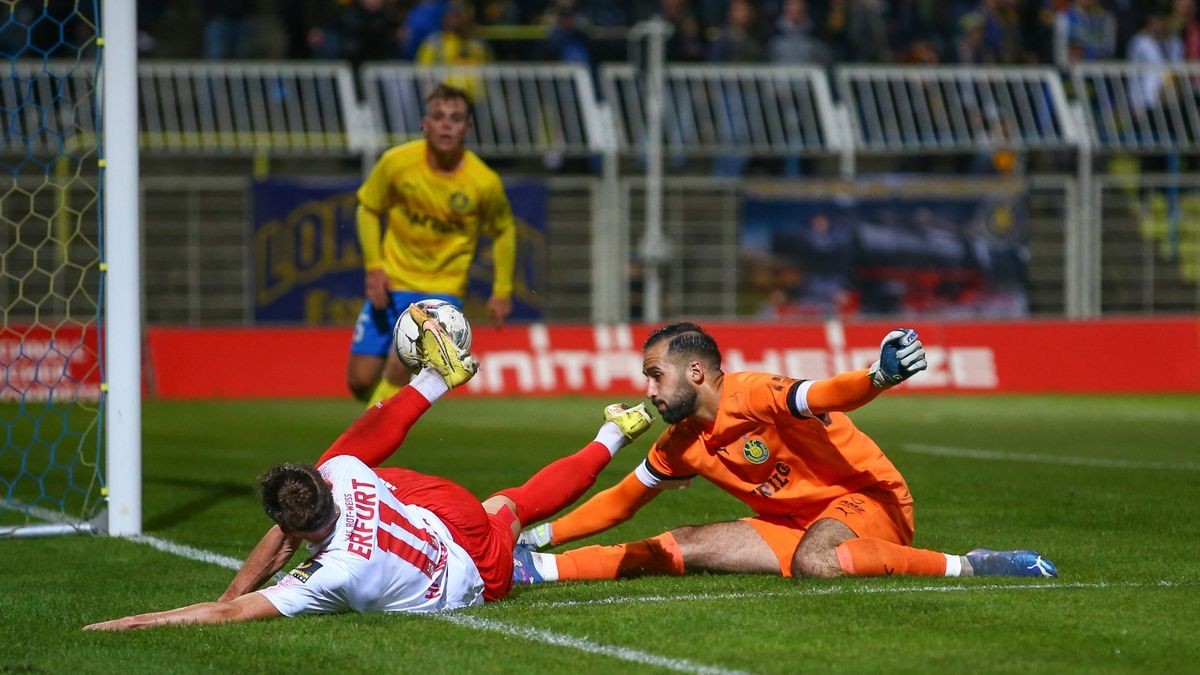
x=537, y=537
x=900, y=357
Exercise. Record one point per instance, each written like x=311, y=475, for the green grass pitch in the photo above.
x=1104, y=486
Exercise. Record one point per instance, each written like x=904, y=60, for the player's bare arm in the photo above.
x=370, y=233
x=499, y=309
x=250, y=607
x=271, y=554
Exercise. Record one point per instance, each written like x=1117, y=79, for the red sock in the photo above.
x=656, y=555
x=557, y=486
x=380, y=430
x=876, y=558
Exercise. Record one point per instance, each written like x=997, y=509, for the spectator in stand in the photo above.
x=973, y=48
x=567, y=40
x=860, y=30
x=1002, y=30
x=355, y=31
x=1185, y=14
x=370, y=31
x=794, y=40
x=424, y=20
x=687, y=39
x=1130, y=15
x=455, y=45
x=739, y=41
x=1155, y=44
x=1084, y=31
x=227, y=28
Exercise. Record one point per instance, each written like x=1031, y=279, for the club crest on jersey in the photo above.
x=756, y=451
x=459, y=202
x=305, y=570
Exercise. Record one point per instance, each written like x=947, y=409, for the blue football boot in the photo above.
x=989, y=563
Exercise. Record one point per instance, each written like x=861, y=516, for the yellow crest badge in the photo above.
x=459, y=202
x=756, y=451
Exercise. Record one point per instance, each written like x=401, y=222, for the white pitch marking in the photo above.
x=996, y=455
x=534, y=634
x=840, y=590
x=188, y=552
x=584, y=645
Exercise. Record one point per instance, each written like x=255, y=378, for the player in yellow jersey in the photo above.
x=827, y=501
x=435, y=197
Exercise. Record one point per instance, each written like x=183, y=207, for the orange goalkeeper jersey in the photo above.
x=764, y=453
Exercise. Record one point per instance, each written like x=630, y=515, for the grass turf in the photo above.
x=1104, y=486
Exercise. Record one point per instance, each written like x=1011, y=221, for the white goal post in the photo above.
x=122, y=278
x=70, y=270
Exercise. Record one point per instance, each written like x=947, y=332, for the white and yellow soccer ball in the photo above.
x=406, y=332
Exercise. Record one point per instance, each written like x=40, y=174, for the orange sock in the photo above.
x=657, y=555
x=876, y=557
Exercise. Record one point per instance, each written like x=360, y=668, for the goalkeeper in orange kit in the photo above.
x=827, y=501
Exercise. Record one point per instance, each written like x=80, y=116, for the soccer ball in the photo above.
x=406, y=332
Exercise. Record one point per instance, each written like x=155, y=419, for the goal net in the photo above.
x=51, y=423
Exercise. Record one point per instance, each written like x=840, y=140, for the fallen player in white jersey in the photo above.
x=391, y=539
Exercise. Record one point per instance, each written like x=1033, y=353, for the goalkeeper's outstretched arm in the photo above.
x=607, y=508
x=901, y=356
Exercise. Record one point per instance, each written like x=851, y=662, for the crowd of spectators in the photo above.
x=823, y=32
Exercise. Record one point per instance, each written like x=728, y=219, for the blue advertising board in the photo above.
x=308, y=263
x=893, y=247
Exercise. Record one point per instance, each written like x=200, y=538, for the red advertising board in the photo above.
x=40, y=362
x=1161, y=355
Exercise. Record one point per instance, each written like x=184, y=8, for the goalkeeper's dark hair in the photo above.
x=296, y=497
x=688, y=340
x=447, y=92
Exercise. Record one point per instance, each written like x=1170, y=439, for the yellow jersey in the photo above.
x=434, y=220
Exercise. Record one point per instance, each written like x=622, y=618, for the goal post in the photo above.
x=70, y=337
x=122, y=269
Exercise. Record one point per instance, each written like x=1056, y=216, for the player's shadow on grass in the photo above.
x=211, y=494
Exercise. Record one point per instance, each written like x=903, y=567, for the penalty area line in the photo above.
x=844, y=590
x=474, y=622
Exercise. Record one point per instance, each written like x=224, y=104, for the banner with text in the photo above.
x=540, y=360
x=947, y=248
x=308, y=263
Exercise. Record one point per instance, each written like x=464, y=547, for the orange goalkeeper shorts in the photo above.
x=865, y=514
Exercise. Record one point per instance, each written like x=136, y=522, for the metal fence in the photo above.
x=901, y=109
x=1104, y=243
x=520, y=110
x=765, y=110
x=249, y=107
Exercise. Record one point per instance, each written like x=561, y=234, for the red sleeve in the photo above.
x=379, y=431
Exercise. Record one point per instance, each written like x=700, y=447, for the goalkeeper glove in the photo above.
x=536, y=538
x=900, y=357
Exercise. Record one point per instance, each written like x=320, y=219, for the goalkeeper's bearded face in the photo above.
x=675, y=395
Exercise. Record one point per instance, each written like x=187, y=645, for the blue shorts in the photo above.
x=373, y=328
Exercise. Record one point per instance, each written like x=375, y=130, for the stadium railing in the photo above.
x=521, y=110
x=721, y=113
x=1150, y=248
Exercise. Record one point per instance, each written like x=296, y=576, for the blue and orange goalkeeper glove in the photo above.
x=900, y=357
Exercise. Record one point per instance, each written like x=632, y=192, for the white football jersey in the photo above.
x=384, y=556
